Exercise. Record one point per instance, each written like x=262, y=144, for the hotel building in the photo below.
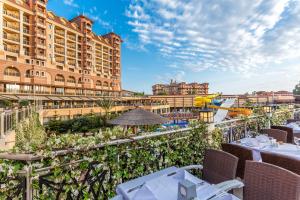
x=42, y=53
x=182, y=88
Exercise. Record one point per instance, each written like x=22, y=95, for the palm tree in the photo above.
x=106, y=105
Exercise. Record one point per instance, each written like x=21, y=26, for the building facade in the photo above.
x=42, y=53
x=182, y=88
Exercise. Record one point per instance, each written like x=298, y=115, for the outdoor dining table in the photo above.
x=163, y=185
x=295, y=126
x=284, y=149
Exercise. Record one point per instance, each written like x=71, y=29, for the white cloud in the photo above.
x=236, y=36
x=71, y=3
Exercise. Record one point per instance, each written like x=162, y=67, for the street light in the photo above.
x=206, y=115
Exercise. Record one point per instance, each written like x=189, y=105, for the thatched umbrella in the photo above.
x=138, y=117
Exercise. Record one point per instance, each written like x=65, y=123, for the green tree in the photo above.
x=106, y=105
x=296, y=91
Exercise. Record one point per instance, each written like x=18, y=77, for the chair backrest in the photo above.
x=242, y=153
x=219, y=166
x=283, y=161
x=292, y=120
x=264, y=181
x=277, y=134
x=290, y=134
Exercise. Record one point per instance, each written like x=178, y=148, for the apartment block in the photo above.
x=182, y=88
x=43, y=53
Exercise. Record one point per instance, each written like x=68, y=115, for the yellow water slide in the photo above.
x=201, y=101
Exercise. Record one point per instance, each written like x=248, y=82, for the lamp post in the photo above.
x=268, y=110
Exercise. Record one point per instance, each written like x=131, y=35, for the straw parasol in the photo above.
x=138, y=117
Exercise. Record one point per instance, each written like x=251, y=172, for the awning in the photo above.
x=54, y=98
x=9, y=97
x=66, y=98
x=76, y=98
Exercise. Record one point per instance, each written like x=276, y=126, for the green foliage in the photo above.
x=84, y=124
x=296, y=91
x=122, y=161
x=139, y=94
x=5, y=103
x=30, y=134
x=24, y=103
x=106, y=105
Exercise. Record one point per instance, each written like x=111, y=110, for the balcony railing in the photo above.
x=11, y=14
x=6, y=48
x=5, y=36
x=61, y=33
x=12, y=26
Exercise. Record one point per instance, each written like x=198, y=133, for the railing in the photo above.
x=11, y=49
x=11, y=14
x=121, y=160
x=8, y=25
x=8, y=119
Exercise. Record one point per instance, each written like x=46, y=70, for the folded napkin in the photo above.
x=250, y=142
x=262, y=138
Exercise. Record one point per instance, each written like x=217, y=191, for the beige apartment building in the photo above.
x=182, y=88
x=43, y=53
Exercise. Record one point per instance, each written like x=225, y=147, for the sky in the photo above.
x=237, y=46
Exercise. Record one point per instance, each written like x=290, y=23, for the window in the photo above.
x=59, y=78
x=50, y=46
x=50, y=26
x=27, y=61
x=37, y=73
x=12, y=71
x=12, y=88
x=50, y=36
x=43, y=74
x=43, y=63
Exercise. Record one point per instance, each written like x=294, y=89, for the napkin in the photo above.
x=262, y=138
x=250, y=142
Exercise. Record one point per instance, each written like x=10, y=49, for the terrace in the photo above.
x=72, y=166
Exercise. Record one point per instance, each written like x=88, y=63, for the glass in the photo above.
x=297, y=142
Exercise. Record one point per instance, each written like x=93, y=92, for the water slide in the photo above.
x=222, y=113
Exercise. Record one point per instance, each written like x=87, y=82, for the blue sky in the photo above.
x=236, y=46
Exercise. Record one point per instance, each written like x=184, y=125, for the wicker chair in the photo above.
x=219, y=166
x=264, y=181
x=277, y=134
x=292, y=120
x=290, y=134
x=242, y=153
x=283, y=161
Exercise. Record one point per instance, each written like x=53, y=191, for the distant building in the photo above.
x=182, y=88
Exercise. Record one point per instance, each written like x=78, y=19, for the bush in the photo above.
x=23, y=103
x=84, y=124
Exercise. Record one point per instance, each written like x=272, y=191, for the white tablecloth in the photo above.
x=284, y=149
x=163, y=185
x=294, y=126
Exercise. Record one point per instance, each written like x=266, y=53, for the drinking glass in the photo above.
x=297, y=142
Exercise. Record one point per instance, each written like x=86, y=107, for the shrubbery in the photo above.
x=84, y=124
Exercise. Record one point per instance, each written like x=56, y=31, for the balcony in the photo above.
x=61, y=42
x=26, y=42
x=11, y=49
x=71, y=46
x=26, y=31
x=41, y=56
x=60, y=51
x=71, y=37
x=11, y=14
x=11, y=38
x=11, y=26
x=60, y=33
x=70, y=54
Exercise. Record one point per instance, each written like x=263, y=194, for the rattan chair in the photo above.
x=283, y=161
x=292, y=120
x=277, y=134
x=219, y=166
x=289, y=131
x=242, y=153
x=264, y=181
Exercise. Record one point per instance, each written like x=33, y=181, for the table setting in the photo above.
x=264, y=143
x=295, y=126
x=171, y=184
